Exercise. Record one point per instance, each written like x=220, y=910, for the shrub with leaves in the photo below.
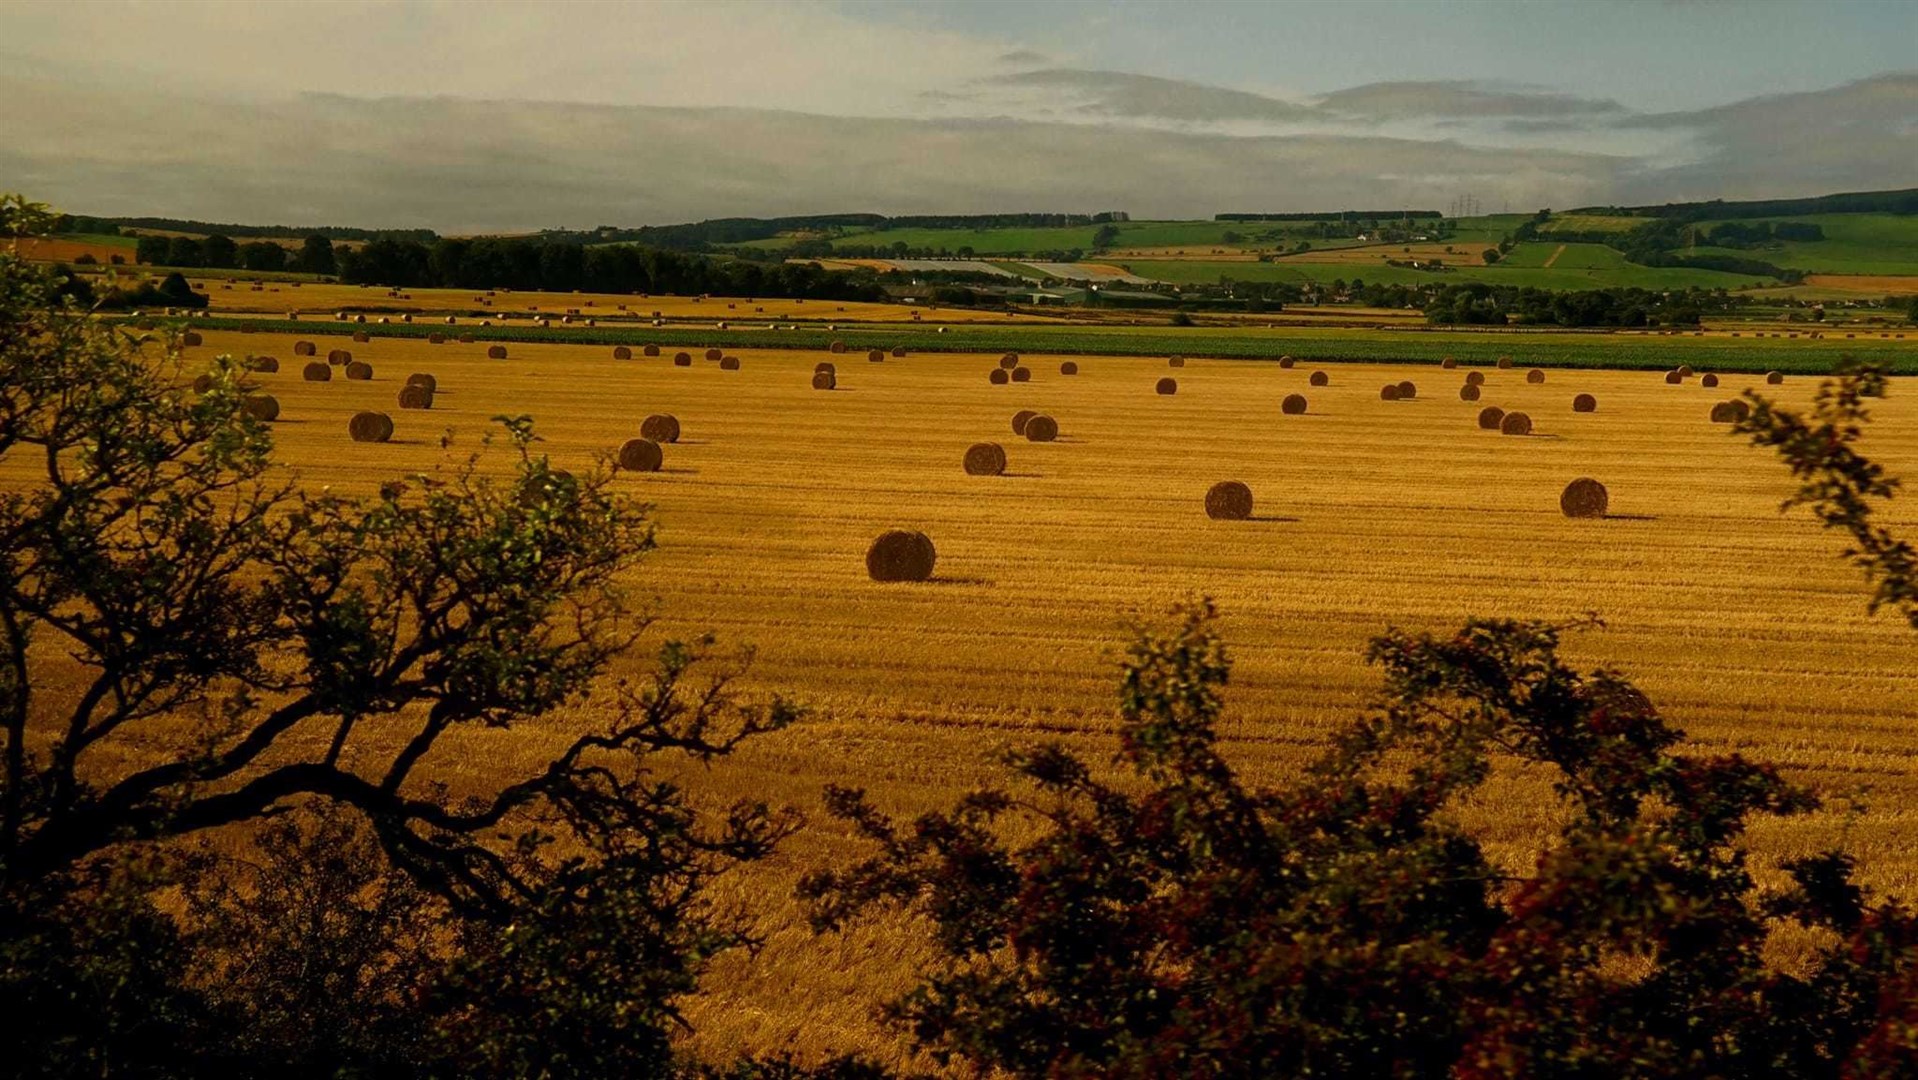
x=1179, y=923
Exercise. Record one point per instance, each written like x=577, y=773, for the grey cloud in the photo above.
x=1460, y=98
x=1861, y=135
x=1119, y=94
x=458, y=165
x=1024, y=58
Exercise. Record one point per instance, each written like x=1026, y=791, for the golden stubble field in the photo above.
x=1742, y=624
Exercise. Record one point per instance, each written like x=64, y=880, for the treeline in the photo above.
x=1738, y=234
x=1341, y=215
x=208, y=228
x=540, y=264
x=722, y=232
x=218, y=251
x=1659, y=242
x=1480, y=304
x=1903, y=201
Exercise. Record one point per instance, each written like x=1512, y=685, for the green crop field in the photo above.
x=1203, y=272
x=1589, y=223
x=1632, y=350
x=1876, y=244
x=1534, y=254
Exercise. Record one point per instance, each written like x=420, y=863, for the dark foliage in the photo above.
x=1178, y=923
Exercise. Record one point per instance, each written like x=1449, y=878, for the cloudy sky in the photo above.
x=466, y=114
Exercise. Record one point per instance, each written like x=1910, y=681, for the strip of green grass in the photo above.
x=1529, y=348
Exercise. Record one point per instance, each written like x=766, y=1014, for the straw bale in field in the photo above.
x=1584, y=498
x=1228, y=500
x=660, y=427
x=901, y=555
x=641, y=455
x=985, y=459
x=370, y=427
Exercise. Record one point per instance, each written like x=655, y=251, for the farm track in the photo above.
x=1739, y=622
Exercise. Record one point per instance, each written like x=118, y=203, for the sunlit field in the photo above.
x=1741, y=623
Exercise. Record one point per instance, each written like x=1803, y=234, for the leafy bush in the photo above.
x=1180, y=923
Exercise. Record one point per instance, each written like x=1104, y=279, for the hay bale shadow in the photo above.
x=1024, y=475
x=1274, y=518
x=942, y=579
x=679, y=470
x=1630, y=517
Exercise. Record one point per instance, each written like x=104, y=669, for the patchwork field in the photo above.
x=1740, y=622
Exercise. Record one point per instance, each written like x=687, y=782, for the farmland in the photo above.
x=1740, y=622
x=1461, y=268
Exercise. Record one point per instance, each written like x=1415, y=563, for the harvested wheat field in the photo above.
x=1741, y=623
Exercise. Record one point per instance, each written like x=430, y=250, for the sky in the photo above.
x=468, y=115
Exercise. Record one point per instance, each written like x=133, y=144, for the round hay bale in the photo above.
x=1022, y=374
x=1228, y=500
x=660, y=427
x=824, y=380
x=267, y=364
x=876, y=356
x=1685, y=371
x=1000, y=376
x=1468, y=392
x=303, y=348
x=415, y=396
x=729, y=363
x=716, y=355
x=1019, y=420
x=1320, y=378
x=436, y=338
x=466, y=339
x=1584, y=498
x=421, y=378
x=621, y=352
x=1389, y=392
x=496, y=352
x=825, y=366
x=359, y=318
x=361, y=337
x=316, y=372
x=1490, y=417
x=1287, y=362
x=1069, y=368
x=1167, y=386
x=1504, y=362
x=985, y=459
x=1730, y=412
x=1175, y=361
x=1407, y=391
x=191, y=337
x=1708, y=380
x=682, y=359
x=901, y=555
x=1449, y=362
x=1475, y=378
x=338, y=357
x=202, y=383
x=650, y=350
x=262, y=407
x=1009, y=361
x=838, y=347
x=1041, y=428
x=1515, y=423
x=1293, y=405
x=370, y=427
x=1774, y=378
x=641, y=455
x=1584, y=403
x=359, y=371
x=1536, y=375
x=898, y=351
x=1673, y=378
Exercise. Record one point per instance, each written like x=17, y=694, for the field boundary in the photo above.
x=1561, y=350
